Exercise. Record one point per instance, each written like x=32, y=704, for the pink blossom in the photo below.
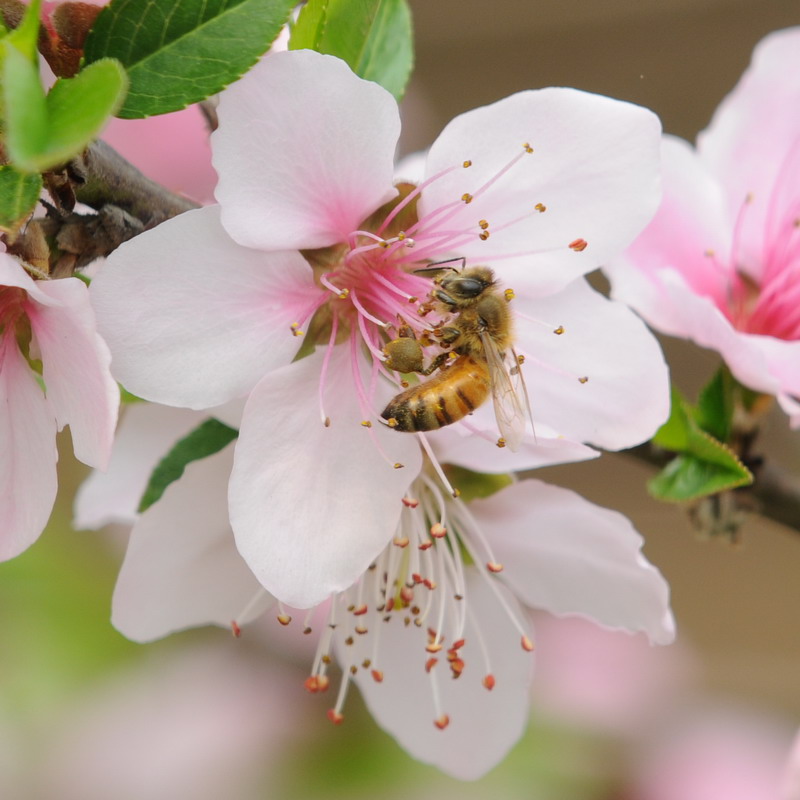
x=396, y=632
x=312, y=236
x=720, y=262
x=51, y=322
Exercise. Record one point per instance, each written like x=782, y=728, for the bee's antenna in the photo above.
x=434, y=266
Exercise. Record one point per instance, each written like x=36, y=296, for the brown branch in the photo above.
x=775, y=493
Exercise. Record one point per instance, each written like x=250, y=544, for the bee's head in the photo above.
x=467, y=284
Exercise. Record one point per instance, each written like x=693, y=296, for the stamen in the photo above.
x=323, y=373
x=340, y=293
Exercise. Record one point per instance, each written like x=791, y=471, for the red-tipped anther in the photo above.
x=527, y=644
x=400, y=542
x=416, y=577
x=284, y=619
x=311, y=684
x=410, y=502
x=493, y=566
x=457, y=667
x=323, y=682
x=407, y=595
x=458, y=644
x=442, y=722
x=235, y=629
x=429, y=583
x=431, y=663
x=335, y=717
x=425, y=545
x=362, y=609
x=579, y=245
x=390, y=604
x=438, y=530
x=377, y=675
x=488, y=682
x=434, y=647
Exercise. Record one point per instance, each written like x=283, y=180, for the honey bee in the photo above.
x=477, y=359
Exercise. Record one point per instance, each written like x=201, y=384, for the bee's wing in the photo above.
x=511, y=406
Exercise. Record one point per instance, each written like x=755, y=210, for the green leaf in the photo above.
x=25, y=36
x=472, y=485
x=19, y=194
x=205, y=440
x=43, y=132
x=373, y=36
x=689, y=477
x=714, y=413
x=674, y=433
x=183, y=51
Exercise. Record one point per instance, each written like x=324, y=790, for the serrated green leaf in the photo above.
x=472, y=485
x=43, y=132
x=674, y=433
x=688, y=477
x=205, y=440
x=19, y=194
x=373, y=36
x=183, y=51
x=714, y=412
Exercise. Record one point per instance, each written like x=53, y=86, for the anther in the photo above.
x=489, y=682
x=457, y=667
x=425, y=545
x=540, y=207
x=377, y=675
x=709, y=254
x=429, y=584
x=366, y=423
x=509, y=294
x=458, y=644
x=456, y=493
x=433, y=647
x=327, y=422
x=349, y=641
x=466, y=164
x=391, y=422
x=316, y=683
x=362, y=609
x=407, y=595
x=520, y=360
x=284, y=619
x=235, y=629
x=559, y=330
x=335, y=717
x=527, y=644
x=501, y=442
x=353, y=669
x=483, y=235
x=583, y=379
x=526, y=146
x=398, y=465
x=483, y=224
x=307, y=630
x=494, y=567
x=295, y=326
x=343, y=294
x=431, y=663
x=410, y=502
x=366, y=663
x=466, y=197
x=442, y=722
x=438, y=531
x=579, y=245
x=401, y=542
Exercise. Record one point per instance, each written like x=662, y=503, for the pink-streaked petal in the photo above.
x=75, y=368
x=483, y=724
x=304, y=152
x=192, y=318
x=626, y=396
x=182, y=568
x=12, y=274
x=595, y=167
x=752, y=145
x=691, y=232
x=27, y=453
x=568, y=556
x=146, y=433
x=312, y=506
x=473, y=444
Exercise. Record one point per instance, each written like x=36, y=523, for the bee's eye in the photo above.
x=466, y=287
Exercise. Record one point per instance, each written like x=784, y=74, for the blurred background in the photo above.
x=85, y=714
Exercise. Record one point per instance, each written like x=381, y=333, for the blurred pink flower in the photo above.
x=47, y=321
x=791, y=779
x=720, y=262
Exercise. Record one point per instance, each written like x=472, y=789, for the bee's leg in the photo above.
x=447, y=336
x=437, y=362
x=404, y=355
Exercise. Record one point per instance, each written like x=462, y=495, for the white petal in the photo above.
x=75, y=368
x=626, y=396
x=146, y=433
x=304, y=152
x=311, y=505
x=182, y=568
x=27, y=453
x=595, y=167
x=483, y=724
x=568, y=556
x=192, y=318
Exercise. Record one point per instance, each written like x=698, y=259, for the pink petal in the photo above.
x=626, y=396
x=27, y=453
x=312, y=506
x=75, y=368
x=192, y=318
x=595, y=167
x=483, y=724
x=568, y=556
x=753, y=142
x=146, y=433
x=182, y=568
x=304, y=152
